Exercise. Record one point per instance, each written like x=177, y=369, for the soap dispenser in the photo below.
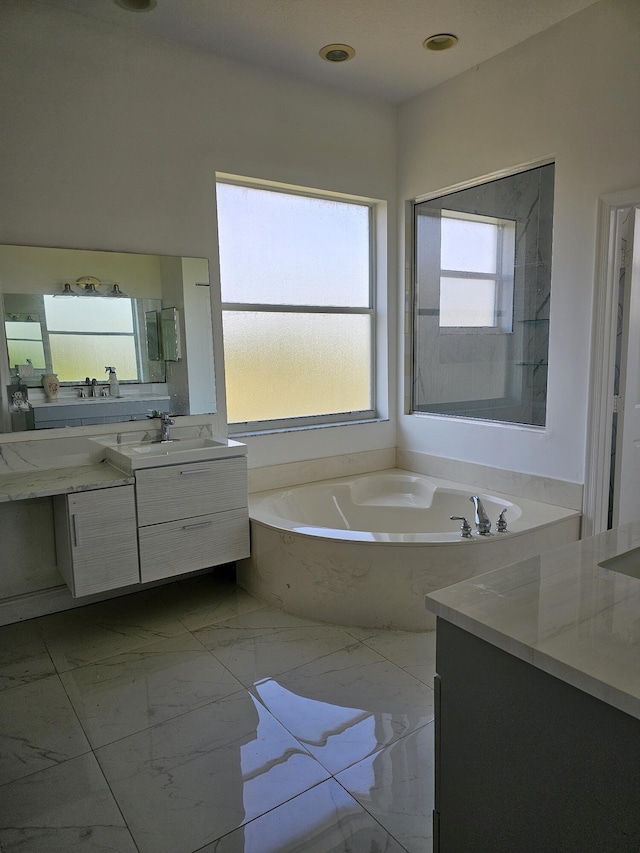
x=114, y=386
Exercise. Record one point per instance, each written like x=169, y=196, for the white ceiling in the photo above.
x=390, y=63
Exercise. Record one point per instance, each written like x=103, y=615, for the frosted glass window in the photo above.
x=74, y=357
x=290, y=249
x=284, y=365
x=297, y=306
x=467, y=302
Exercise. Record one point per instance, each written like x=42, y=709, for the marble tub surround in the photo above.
x=312, y=470
x=374, y=577
x=562, y=612
x=545, y=489
x=155, y=740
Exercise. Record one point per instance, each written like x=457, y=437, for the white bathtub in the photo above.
x=365, y=550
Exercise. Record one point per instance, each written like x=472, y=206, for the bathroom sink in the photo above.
x=154, y=454
x=627, y=563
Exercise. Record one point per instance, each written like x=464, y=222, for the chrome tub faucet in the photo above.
x=483, y=523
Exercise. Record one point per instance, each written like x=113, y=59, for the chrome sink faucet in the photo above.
x=483, y=523
x=166, y=421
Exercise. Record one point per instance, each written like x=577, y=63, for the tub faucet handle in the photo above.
x=465, y=527
x=501, y=523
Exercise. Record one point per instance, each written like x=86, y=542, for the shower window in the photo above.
x=476, y=276
x=298, y=311
x=481, y=300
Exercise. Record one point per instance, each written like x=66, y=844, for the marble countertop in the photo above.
x=564, y=613
x=43, y=482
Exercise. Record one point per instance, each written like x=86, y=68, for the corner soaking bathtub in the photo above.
x=365, y=550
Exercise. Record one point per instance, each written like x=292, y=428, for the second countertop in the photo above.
x=564, y=613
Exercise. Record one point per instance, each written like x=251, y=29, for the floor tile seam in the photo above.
x=76, y=715
x=303, y=744
x=222, y=619
x=50, y=766
x=381, y=749
x=177, y=716
x=381, y=657
x=371, y=815
x=56, y=676
x=27, y=680
x=302, y=665
x=221, y=663
x=101, y=659
x=116, y=801
x=24, y=683
x=395, y=663
x=205, y=846
x=137, y=651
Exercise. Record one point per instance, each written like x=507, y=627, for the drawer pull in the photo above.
x=188, y=471
x=76, y=532
x=197, y=525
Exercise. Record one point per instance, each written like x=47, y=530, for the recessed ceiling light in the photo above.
x=337, y=52
x=137, y=5
x=441, y=41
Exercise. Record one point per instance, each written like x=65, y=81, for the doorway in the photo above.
x=612, y=481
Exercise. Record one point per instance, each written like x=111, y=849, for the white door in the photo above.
x=626, y=505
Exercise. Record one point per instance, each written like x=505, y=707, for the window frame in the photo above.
x=446, y=411
x=326, y=419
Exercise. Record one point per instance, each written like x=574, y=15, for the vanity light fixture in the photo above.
x=440, y=41
x=87, y=285
x=137, y=5
x=337, y=52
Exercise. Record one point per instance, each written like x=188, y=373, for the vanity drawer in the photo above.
x=176, y=547
x=195, y=489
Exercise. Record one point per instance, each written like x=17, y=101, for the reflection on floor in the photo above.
x=192, y=717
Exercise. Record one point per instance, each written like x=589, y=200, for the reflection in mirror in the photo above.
x=171, y=350
x=53, y=325
x=153, y=335
x=76, y=338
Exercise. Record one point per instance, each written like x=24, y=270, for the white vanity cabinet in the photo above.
x=191, y=516
x=96, y=542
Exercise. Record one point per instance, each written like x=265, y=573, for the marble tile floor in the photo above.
x=192, y=717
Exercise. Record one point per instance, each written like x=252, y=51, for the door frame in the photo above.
x=603, y=358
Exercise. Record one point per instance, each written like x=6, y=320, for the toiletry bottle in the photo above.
x=114, y=386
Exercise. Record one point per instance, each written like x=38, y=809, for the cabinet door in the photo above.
x=191, y=490
x=96, y=541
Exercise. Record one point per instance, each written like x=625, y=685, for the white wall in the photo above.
x=111, y=140
x=571, y=93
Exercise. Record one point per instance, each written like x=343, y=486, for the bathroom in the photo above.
x=112, y=141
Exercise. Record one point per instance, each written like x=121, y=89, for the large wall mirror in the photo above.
x=74, y=314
